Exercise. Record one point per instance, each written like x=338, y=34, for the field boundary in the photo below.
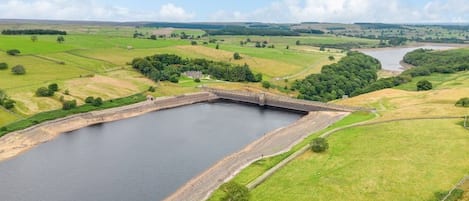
x=457, y=185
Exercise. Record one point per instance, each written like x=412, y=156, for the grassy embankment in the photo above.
x=403, y=160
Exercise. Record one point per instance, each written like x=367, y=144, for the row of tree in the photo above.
x=241, y=30
x=33, y=32
x=162, y=67
x=347, y=77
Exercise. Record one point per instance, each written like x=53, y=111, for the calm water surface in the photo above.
x=391, y=57
x=142, y=158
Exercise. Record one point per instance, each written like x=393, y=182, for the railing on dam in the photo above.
x=281, y=101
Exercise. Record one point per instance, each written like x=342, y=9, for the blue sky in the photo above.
x=345, y=11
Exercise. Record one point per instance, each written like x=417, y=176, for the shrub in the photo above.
x=266, y=84
x=18, y=70
x=44, y=92
x=151, y=89
x=8, y=104
x=236, y=56
x=174, y=79
x=197, y=80
x=70, y=104
x=424, y=85
x=463, y=102
x=98, y=102
x=13, y=52
x=3, y=66
x=319, y=145
x=53, y=87
x=234, y=192
x=89, y=99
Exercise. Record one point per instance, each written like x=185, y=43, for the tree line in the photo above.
x=162, y=67
x=241, y=30
x=347, y=77
x=33, y=31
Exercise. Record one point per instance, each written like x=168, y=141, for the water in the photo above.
x=142, y=158
x=391, y=57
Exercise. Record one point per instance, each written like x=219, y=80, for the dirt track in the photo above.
x=275, y=142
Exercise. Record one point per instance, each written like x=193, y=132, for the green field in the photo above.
x=392, y=161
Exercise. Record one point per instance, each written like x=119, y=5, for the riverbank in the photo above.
x=18, y=142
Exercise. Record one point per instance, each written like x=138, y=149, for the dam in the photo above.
x=198, y=183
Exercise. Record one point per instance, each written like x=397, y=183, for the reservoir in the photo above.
x=390, y=58
x=142, y=158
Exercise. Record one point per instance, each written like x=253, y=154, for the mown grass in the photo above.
x=391, y=161
x=439, y=81
x=55, y=114
x=257, y=168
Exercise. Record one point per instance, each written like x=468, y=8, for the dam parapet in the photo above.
x=263, y=99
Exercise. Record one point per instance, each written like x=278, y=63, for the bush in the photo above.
x=151, y=89
x=89, y=99
x=234, y=192
x=18, y=70
x=236, y=56
x=53, y=87
x=98, y=102
x=197, y=80
x=8, y=104
x=174, y=79
x=70, y=104
x=266, y=84
x=424, y=85
x=44, y=92
x=319, y=145
x=3, y=66
x=463, y=102
x=13, y=52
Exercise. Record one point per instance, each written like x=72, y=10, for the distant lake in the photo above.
x=138, y=159
x=391, y=57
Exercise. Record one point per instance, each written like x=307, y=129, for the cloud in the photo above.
x=348, y=11
x=87, y=10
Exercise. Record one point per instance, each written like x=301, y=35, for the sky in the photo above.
x=274, y=11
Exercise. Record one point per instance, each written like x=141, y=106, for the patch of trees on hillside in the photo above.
x=241, y=30
x=33, y=32
x=347, y=77
x=429, y=61
x=162, y=67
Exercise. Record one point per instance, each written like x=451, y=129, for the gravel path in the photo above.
x=275, y=142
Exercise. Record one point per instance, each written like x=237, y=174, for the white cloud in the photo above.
x=86, y=10
x=348, y=11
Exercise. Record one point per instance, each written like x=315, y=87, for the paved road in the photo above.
x=275, y=142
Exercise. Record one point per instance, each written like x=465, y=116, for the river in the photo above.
x=142, y=158
x=390, y=58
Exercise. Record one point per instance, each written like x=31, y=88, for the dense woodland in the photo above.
x=428, y=61
x=240, y=30
x=162, y=67
x=33, y=32
x=349, y=75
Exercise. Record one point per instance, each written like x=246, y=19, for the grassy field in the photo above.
x=365, y=163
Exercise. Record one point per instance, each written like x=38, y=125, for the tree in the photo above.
x=153, y=37
x=197, y=80
x=53, y=87
x=70, y=104
x=217, y=47
x=60, y=39
x=322, y=48
x=3, y=66
x=234, y=192
x=319, y=144
x=236, y=56
x=34, y=38
x=298, y=42
x=193, y=42
x=98, y=102
x=288, y=47
x=266, y=84
x=13, y=52
x=8, y=104
x=331, y=58
x=89, y=99
x=44, y=92
x=18, y=70
x=424, y=85
x=151, y=89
